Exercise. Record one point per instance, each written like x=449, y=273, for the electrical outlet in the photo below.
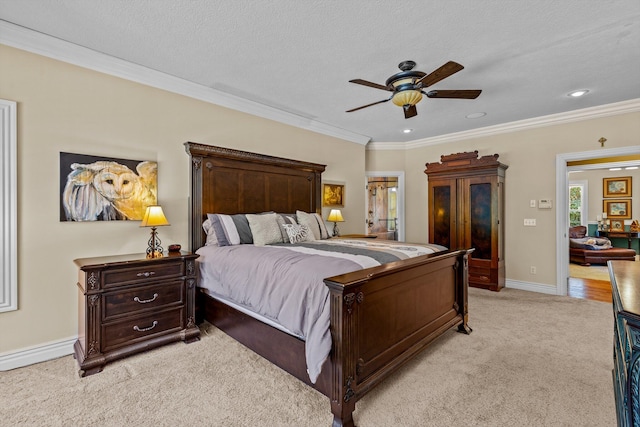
x=530, y=222
x=533, y=270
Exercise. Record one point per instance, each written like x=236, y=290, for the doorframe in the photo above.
x=399, y=197
x=562, y=211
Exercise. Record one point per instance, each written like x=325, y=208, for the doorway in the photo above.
x=385, y=205
x=562, y=196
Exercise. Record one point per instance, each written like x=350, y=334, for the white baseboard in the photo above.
x=533, y=287
x=41, y=353
x=53, y=350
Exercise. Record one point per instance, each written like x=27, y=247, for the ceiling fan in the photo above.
x=407, y=87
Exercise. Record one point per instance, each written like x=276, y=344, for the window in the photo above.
x=578, y=203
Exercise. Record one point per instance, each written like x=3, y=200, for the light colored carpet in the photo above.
x=532, y=360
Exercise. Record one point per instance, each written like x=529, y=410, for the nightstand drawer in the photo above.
x=143, y=298
x=152, y=271
x=140, y=328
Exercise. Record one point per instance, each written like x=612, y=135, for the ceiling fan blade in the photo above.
x=370, y=84
x=464, y=94
x=368, y=105
x=410, y=111
x=441, y=73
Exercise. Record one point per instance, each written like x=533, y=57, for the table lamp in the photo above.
x=335, y=216
x=154, y=217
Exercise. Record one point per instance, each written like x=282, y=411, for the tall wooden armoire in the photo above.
x=466, y=210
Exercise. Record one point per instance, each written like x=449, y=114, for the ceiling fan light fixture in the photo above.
x=407, y=97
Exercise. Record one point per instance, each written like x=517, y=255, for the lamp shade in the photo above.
x=335, y=216
x=154, y=217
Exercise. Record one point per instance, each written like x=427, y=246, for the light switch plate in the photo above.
x=545, y=204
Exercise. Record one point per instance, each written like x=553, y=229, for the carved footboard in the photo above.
x=382, y=317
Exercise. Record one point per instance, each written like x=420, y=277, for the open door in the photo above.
x=385, y=205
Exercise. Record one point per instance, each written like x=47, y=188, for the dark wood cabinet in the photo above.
x=625, y=281
x=128, y=304
x=466, y=210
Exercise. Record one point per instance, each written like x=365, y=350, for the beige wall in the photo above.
x=62, y=107
x=531, y=156
x=595, y=199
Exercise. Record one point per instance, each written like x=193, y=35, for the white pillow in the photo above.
x=297, y=232
x=212, y=240
x=264, y=228
x=315, y=223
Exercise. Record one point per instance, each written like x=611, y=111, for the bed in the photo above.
x=379, y=317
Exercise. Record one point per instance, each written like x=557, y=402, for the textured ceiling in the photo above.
x=298, y=56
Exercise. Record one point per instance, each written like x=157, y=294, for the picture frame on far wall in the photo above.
x=616, y=187
x=617, y=208
x=333, y=194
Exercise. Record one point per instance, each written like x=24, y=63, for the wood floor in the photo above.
x=597, y=290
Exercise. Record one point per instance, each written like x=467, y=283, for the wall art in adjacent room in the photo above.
x=94, y=188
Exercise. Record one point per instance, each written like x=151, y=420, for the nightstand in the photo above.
x=128, y=304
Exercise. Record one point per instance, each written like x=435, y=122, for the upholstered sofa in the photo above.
x=587, y=250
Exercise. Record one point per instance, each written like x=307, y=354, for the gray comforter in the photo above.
x=285, y=284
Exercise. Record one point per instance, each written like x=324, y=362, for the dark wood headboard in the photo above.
x=228, y=181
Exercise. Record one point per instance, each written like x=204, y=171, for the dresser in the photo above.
x=466, y=210
x=128, y=304
x=625, y=286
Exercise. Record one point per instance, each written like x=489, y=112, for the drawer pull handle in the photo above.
x=146, y=274
x=145, y=301
x=153, y=325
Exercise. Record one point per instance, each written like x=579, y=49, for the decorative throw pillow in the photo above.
x=283, y=219
x=315, y=223
x=264, y=228
x=224, y=229
x=297, y=232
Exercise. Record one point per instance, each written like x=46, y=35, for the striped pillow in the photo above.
x=224, y=229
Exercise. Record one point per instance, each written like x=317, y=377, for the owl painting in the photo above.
x=98, y=189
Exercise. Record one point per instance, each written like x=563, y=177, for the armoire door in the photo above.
x=443, y=213
x=481, y=227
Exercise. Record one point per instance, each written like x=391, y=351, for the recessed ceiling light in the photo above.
x=578, y=93
x=475, y=115
x=631, y=168
x=615, y=169
x=407, y=130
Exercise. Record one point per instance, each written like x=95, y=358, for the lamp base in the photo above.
x=154, y=250
x=154, y=254
x=336, y=231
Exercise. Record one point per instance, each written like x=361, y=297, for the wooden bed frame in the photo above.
x=380, y=317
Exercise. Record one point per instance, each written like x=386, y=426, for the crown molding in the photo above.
x=51, y=47
x=623, y=107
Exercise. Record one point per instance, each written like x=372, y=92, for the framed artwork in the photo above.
x=617, y=208
x=96, y=188
x=617, y=225
x=332, y=194
x=616, y=187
